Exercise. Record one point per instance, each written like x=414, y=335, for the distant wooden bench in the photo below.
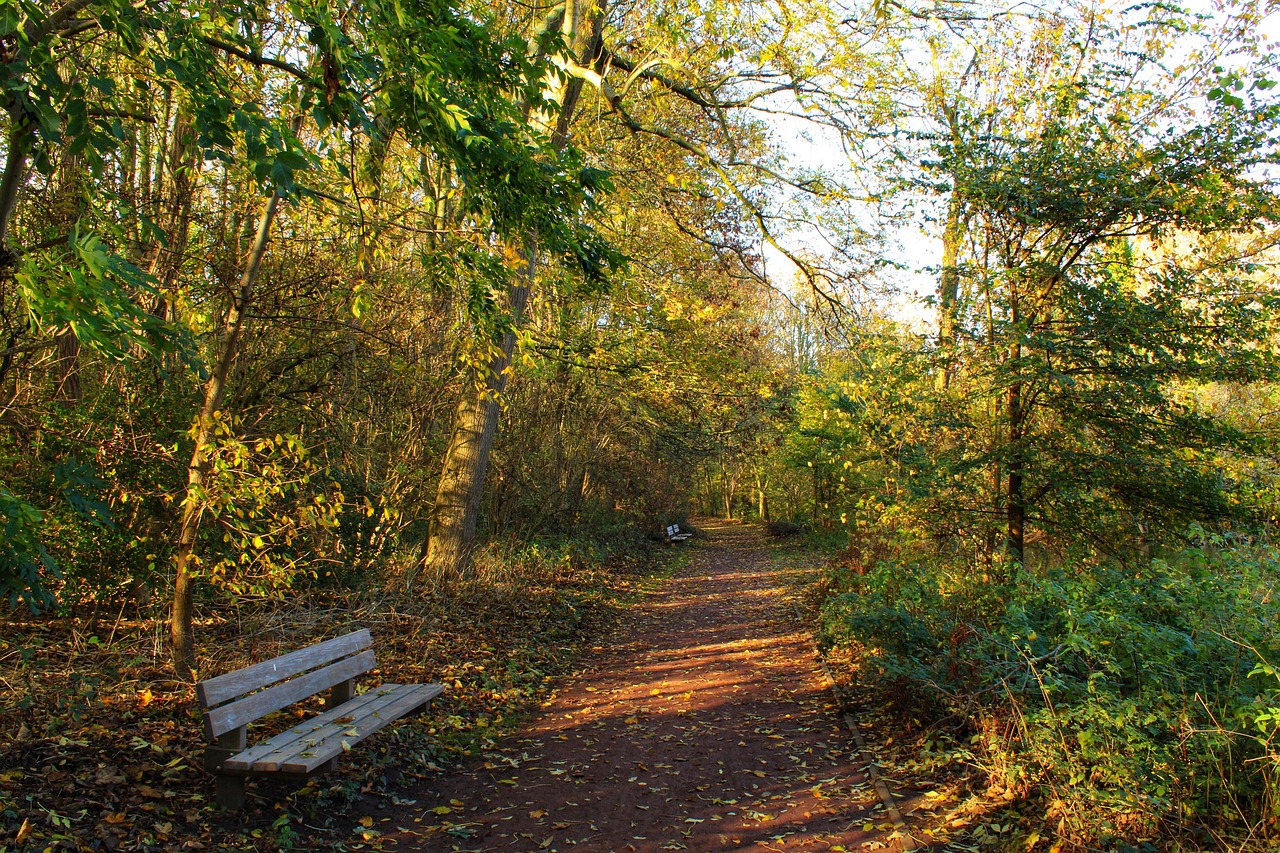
x=234, y=700
x=674, y=534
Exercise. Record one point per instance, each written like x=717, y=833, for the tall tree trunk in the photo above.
x=167, y=260
x=949, y=291
x=181, y=628
x=67, y=209
x=20, y=137
x=1015, y=506
x=761, y=482
x=457, y=509
x=949, y=281
x=730, y=481
x=69, y=389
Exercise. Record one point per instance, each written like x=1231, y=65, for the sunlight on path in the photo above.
x=705, y=726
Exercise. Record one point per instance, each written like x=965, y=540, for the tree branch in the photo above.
x=262, y=61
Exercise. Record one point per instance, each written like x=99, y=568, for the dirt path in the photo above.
x=703, y=726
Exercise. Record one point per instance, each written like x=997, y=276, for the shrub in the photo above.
x=1119, y=697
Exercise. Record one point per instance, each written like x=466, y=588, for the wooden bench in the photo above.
x=234, y=700
x=674, y=534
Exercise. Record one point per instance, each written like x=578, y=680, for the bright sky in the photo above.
x=917, y=251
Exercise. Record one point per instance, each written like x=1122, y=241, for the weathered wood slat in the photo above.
x=320, y=739
x=674, y=535
x=224, y=688
x=236, y=714
x=309, y=727
x=230, y=704
x=405, y=701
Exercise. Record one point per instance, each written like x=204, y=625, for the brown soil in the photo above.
x=704, y=725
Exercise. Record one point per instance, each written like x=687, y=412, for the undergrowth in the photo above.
x=1094, y=705
x=103, y=749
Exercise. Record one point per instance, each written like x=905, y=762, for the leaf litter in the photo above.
x=703, y=725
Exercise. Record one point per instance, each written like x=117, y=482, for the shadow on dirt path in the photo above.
x=703, y=725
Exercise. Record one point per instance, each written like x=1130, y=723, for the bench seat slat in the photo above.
x=408, y=698
x=307, y=728
x=321, y=737
x=236, y=714
x=224, y=688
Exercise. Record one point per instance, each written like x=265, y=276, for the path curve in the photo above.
x=703, y=725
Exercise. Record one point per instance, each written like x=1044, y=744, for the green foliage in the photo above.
x=24, y=561
x=26, y=566
x=362, y=532
x=98, y=297
x=1126, y=692
x=261, y=503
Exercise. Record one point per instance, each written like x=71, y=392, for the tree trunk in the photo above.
x=181, y=627
x=1015, y=499
x=67, y=208
x=68, y=389
x=457, y=509
x=166, y=263
x=761, y=482
x=729, y=481
x=949, y=291
x=15, y=165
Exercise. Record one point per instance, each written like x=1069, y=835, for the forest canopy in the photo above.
x=331, y=295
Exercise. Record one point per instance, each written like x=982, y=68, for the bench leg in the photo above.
x=230, y=789
x=341, y=692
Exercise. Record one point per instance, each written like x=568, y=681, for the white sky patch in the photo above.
x=913, y=253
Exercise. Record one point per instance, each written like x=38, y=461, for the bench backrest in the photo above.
x=232, y=700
